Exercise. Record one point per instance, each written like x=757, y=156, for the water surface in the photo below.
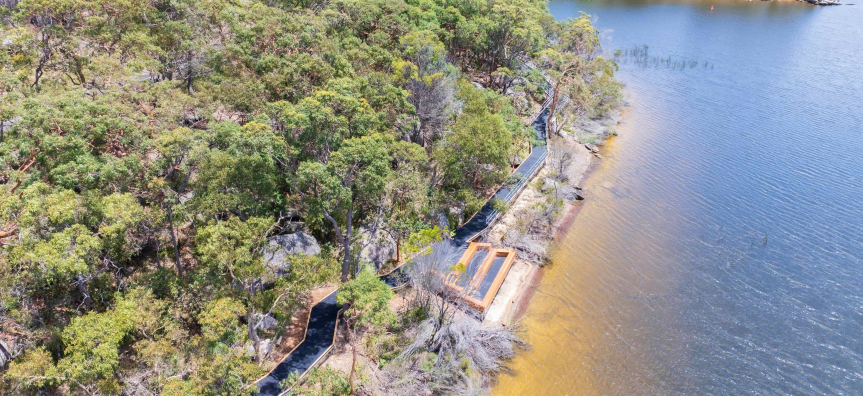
x=719, y=250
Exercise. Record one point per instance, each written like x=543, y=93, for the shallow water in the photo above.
x=719, y=249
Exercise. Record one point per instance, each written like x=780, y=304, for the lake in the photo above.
x=719, y=249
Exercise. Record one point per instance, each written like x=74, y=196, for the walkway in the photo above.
x=321, y=331
x=487, y=214
x=319, y=339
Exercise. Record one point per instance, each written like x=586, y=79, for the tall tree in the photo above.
x=477, y=154
x=430, y=79
x=234, y=249
x=575, y=68
x=406, y=197
x=346, y=191
x=181, y=150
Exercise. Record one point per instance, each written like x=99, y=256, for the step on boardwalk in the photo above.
x=324, y=316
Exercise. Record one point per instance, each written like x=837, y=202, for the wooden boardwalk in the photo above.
x=320, y=334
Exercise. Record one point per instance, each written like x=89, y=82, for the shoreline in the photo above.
x=566, y=140
x=524, y=283
x=559, y=180
x=551, y=198
x=561, y=227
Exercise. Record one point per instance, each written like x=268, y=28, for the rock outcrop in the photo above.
x=4, y=354
x=571, y=193
x=565, y=191
x=280, y=247
x=517, y=160
x=265, y=322
x=379, y=248
x=265, y=346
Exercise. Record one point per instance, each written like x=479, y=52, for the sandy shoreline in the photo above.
x=566, y=180
x=563, y=224
x=521, y=284
x=524, y=277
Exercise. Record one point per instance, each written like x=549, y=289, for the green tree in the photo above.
x=180, y=150
x=239, y=175
x=318, y=125
x=406, y=196
x=92, y=345
x=233, y=248
x=220, y=321
x=367, y=300
x=122, y=225
x=513, y=29
x=577, y=70
x=477, y=154
x=347, y=190
x=93, y=340
x=55, y=247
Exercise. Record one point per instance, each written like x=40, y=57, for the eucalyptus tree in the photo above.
x=366, y=299
x=407, y=197
x=92, y=347
x=430, y=79
x=62, y=238
x=346, y=191
x=576, y=69
x=180, y=150
x=476, y=155
x=515, y=28
x=317, y=125
x=60, y=40
x=238, y=175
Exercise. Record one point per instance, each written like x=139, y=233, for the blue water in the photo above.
x=719, y=251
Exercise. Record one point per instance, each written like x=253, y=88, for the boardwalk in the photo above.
x=484, y=218
x=318, y=341
x=320, y=334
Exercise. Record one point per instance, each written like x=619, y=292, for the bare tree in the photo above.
x=432, y=90
x=426, y=276
x=448, y=340
x=436, y=361
x=559, y=162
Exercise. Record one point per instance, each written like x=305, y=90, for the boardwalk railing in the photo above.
x=317, y=361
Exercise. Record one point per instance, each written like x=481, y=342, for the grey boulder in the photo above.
x=265, y=322
x=280, y=247
x=379, y=247
x=571, y=193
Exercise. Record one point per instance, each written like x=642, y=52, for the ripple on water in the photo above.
x=719, y=250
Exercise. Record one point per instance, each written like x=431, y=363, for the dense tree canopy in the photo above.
x=149, y=150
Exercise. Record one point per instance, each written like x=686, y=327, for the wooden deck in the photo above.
x=472, y=292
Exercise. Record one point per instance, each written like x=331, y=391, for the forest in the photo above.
x=150, y=150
